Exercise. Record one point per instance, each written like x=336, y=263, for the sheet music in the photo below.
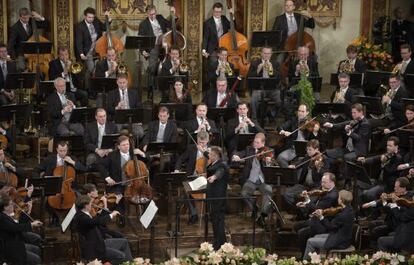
x=149, y=214
x=68, y=219
x=198, y=184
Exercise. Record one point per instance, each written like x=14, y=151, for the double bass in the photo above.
x=38, y=63
x=107, y=40
x=66, y=198
x=173, y=37
x=237, y=46
x=293, y=42
x=137, y=190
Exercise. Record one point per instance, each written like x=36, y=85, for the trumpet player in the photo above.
x=392, y=101
x=266, y=68
x=60, y=106
x=62, y=67
x=108, y=67
x=220, y=67
x=406, y=66
x=173, y=65
x=201, y=122
x=7, y=96
x=352, y=64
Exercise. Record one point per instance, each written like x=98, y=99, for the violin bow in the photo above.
x=303, y=125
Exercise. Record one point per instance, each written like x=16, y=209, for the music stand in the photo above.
x=140, y=43
x=407, y=101
x=130, y=116
x=231, y=80
x=162, y=148
x=173, y=181
x=266, y=38
x=33, y=47
x=359, y=174
x=165, y=82
x=300, y=148
x=48, y=87
x=409, y=81
x=221, y=116
x=373, y=105
x=372, y=81
x=331, y=108
x=109, y=141
x=316, y=82
x=178, y=108
x=244, y=140
x=82, y=115
x=20, y=81
x=280, y=176
x=45, y=186
x=355, y=80
x=15, y=113
x=102, y=85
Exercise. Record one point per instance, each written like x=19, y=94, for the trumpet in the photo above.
x=268, y=67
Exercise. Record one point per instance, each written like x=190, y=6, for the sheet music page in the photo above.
x=68, y=219
x=198, y=184
x=149, y=214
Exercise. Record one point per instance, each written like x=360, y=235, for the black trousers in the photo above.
x=217, y=213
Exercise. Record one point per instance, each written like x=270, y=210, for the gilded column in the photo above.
x=3, y=21
x=193, y=30
x=63, y=24
x=257, y=17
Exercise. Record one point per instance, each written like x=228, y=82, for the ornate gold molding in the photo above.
x=257, y=17
x=3, y=21
x=63, y=24
x=193, y=13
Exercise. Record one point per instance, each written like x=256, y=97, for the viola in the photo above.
x=66, y=198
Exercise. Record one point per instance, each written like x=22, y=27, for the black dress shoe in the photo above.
x=120, y=221
x=193, y=219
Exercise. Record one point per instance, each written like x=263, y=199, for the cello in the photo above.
x=38, y=63
x=135, y=170
x=237, y=46
x=293, y=42
x=8, y=177
x=66, y=198
x=107, y=40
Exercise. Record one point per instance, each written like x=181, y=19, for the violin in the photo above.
x=98, y=204
x=316, y=158
x=331, y=211
x=264, y=152
x=317, y=193
x=66, y=198
x=136, y=170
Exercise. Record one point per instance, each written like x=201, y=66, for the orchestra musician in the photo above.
x=201, y=122
x=7, y=96
x=60, y=105
x=61, y=67
x=352, y=64
x=266, y=68
x=406, y=66
x=383, y=227
x=48, y=165
x=179, y=94
x=300, y=134
x=401, y=33
x=215, y=96
x=108, y=67
x=87, y=32
x=241, y=124
x=92, y=243
x=344, y=94
x=195, y=162
x=124, y=98
x=358, y=133
x=15, y=251
x=213, y=28
x=94, y=135
x=338, y=230
x=9, y=165
x=222, y=67
x=162, y=130
x=392, y=101
x=22, y=31
x=309, y=174
x=252, y=177
x=327, y=198
x=217, y=177
x=289, y=22
x=388, y=174
x=154, y=25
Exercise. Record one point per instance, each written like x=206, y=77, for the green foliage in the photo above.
x=305, y=92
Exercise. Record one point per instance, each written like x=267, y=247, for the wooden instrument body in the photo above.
x=107, y=40
x=66, y=198
x=134, y=169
